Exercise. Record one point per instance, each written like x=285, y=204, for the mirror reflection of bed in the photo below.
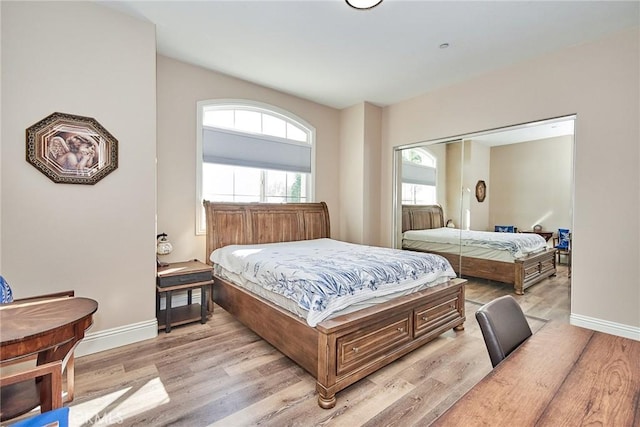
x=526, y=171
x=520, y=259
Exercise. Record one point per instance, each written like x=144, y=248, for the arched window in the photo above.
x=418, y=177
x=252, y=152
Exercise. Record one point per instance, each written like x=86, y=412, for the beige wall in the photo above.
x=180, y=86
x=359, y=170
x=0, y=140
x=98, y=240
x=477, y=167
x=599, y=82
x=454, y=162
x=371, y=176
x=351, y=165
x=531, y=184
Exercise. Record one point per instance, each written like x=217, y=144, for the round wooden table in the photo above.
x=50, y=329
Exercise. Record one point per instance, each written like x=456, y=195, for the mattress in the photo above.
x=494, y=246
x=323, y=278
x=457, y=249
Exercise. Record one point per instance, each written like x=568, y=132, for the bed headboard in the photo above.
x=254, y=223
x=421, y=217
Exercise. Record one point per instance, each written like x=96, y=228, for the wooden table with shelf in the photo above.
x=182, y=276
x=50, y=329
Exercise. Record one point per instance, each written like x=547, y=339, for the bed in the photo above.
x=340, y=350
x=522, y=270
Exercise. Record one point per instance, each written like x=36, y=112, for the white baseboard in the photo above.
x=117, y=337
x=600, y=325
x=128, y=334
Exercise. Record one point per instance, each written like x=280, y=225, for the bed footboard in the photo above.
x=534, y=268
x=355, y=345
x=340, y=351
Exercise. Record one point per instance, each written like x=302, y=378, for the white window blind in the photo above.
x=413, y=173
x=258, y=151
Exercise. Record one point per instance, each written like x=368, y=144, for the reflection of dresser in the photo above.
x=545, y=234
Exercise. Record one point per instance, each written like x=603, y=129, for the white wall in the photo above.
x=99, y=240
x=180, y=87
x=600, y=83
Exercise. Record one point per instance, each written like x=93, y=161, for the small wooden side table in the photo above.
x=182, y=276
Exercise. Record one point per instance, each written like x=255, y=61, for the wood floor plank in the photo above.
x=220, y=373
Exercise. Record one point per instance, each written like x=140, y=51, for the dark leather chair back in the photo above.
x=503, y=326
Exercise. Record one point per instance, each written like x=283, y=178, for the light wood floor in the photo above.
x=222, y=374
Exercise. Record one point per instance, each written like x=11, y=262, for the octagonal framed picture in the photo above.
x=72, y=149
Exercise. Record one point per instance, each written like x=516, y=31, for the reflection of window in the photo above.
x=415, y=194
x=418, y=156
x=418, y=177
x=251, y=152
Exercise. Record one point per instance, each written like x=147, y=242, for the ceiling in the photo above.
x=332, y=54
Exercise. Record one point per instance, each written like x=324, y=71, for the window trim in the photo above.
x=247, y=105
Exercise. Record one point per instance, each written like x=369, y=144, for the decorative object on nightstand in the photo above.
x=163, y=247
x=182, y=276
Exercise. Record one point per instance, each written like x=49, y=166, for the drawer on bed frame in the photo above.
x=429, y=317
x=364, y=346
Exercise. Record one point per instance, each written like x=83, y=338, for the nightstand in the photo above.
x=182, y=276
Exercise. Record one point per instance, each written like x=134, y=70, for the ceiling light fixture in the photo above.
x=363, y=4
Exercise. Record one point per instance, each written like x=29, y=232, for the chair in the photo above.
x=22, y=391
x=505, y=229
x=503, y=326
x=563, y=244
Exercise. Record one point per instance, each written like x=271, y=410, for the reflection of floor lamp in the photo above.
x=163, y=247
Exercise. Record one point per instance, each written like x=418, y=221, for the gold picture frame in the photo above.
x=71, y=149
x=481, y=191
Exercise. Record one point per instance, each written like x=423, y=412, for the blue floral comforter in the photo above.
x=324, y=276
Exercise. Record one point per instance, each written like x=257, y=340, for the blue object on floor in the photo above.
x=54, y=418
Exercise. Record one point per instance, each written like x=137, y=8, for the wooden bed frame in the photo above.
x=522, y=273
x=341, y=350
